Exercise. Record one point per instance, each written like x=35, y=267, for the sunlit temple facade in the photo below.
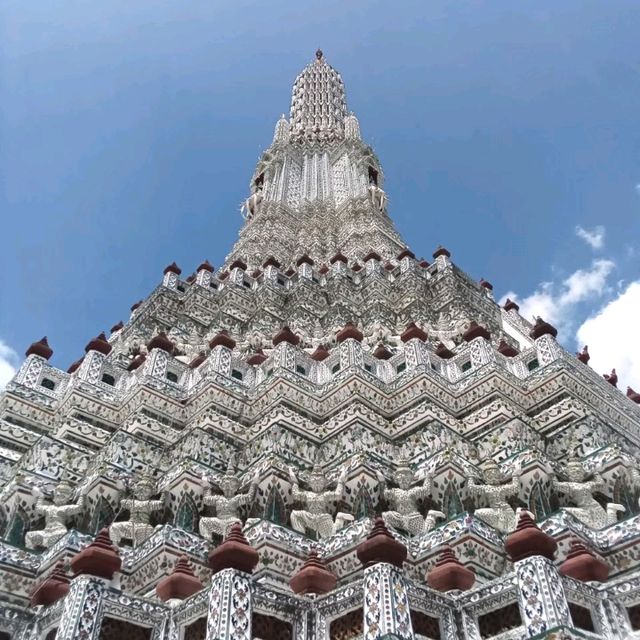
x=323, y=438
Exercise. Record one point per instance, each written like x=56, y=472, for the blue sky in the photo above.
x=129, y=132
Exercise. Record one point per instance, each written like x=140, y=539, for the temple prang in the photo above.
x=322, y=438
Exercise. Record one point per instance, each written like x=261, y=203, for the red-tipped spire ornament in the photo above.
x=349, y=331
x=449, y=573
x=234, y=553
x=611, y=378
x=320, y=353
x=507, y=350
x=633, y=395
x=474, y=331
x=101, y=558
x=382, y=353
x=583, y=565
x=180, y=584
x=529, y=540
x=222, y=339
x=413, y=331
x=510, y=305
x=40, y=348
x=161, y=341
x=172, y=268
x=542, y=328
x=583, y=355
x=313, y=577
x=99, y=344
x=285, y=335
x=54, y=587
x=441, y=251
x=381, y=546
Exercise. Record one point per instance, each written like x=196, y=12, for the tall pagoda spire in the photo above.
x=318, y=189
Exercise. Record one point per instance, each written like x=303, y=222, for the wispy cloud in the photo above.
x=593, y=237
x=556, y=303
x=609, y=334
x=8, y=363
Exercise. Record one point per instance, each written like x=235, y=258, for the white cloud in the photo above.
x=594, y=237
x=8, y=364
x=611, y=336
x=555, y=303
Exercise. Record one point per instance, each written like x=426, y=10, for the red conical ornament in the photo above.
x=474, y=331
x=510, y=305
x=381, y=546
x=449, y=573
x=582, y=565
x=320, y=353
x=222, y=339
x=198, y=360
x=441, y=251
x=173, y=268
x=40, y=348
x=529, y=540
x=161, y=341
x=611, y=378
x=234, y=553
x=181, y=583
x=99, y=344
x=238, y=264
x=137, y=362
x=349, y=331
x=382, y=353
x=257, y=358
x=205, y=266
x=443, y=352
x=101, y=558
x=313, y=577
x=542, y=328
x=413, y=331
x=507, y=350
x=74, y=366
x=285, y=335
x=633, y=395
x=584, y=356
x=52, y=588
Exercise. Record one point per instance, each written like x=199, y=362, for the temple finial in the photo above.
x=319, y=54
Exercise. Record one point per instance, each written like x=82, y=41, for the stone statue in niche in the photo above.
x=56, y=514
x=227, y=505
x=580, y=491
x=499, y=514
x=252, y=204
x=318, y=503
x=378, y=196
x=403, y=500
x=140, y=507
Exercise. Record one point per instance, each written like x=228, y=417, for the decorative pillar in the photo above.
x=339, y=264
x=543, y=603
x=544, y=336
x=171, y=273
x=442, y=257
x=407, y=261
x=271, y=270
x=386, y=602
x=237, y=269
x=96, y=352
x=203, y=274
x=230, y=598
x=372, y=263
x=284, y=349
x=349, y=340
x=220, y=358
x=159, y=348
x=83, y=610
x=305, y=267
x=479, y=340
x=37, y=355
x=415, y=348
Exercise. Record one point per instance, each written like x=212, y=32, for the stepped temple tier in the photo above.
x=323, y=437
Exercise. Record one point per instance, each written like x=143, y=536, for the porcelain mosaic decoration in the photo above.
x=266, y=412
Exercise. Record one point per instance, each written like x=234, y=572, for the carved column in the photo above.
x=386, y=601
x=543, y=603
x=83, y=611
x=230, y=607
x=230, y=597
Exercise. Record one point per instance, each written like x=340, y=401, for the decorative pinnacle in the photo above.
x=319, y=54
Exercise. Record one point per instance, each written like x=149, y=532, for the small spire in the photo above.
x=319, y=54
